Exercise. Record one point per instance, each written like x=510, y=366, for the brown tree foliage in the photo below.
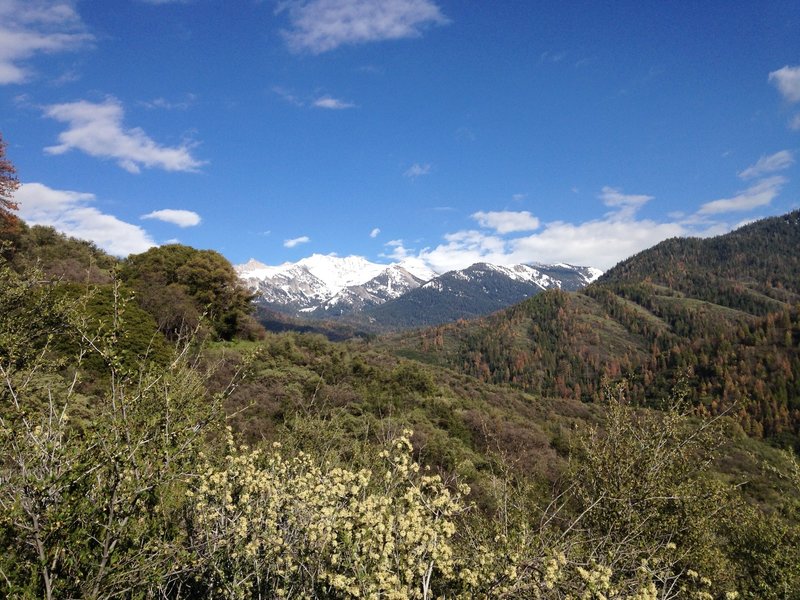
x=8, y=185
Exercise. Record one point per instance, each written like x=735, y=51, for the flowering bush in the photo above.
x=273, y=526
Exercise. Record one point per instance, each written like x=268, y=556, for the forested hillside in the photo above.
x=721, y=313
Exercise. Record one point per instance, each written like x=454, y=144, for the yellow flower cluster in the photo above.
x=289, y=527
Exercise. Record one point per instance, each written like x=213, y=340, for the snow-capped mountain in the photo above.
x=402, y=293
x=328, y=284
x=477, y=290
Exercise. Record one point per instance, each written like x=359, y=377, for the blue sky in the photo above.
x=448, y=131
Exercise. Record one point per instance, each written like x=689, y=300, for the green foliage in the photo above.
x=58, y=257
x=31, y=316
x=178, y=285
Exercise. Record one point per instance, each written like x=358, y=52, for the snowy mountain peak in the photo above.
x=340, y=272
x=330, y=285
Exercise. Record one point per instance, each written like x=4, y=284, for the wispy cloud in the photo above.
x=181, y=218
x=375, y=233
x=794, y=123
x=33, y=27
x=287, y=95
x=417, y=170
x=332, y=103
x=303, y=239
x=97, y=129
x=787, y=80
x=318, y=26
x=615, y=198
x=507, y=221
x=327, y=101
x=397, y=250
x=552, y=57
x=164, y=104
x=71, y=213
x=760, y=193
x=768, y=164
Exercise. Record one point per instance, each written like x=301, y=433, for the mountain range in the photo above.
x=401, y=294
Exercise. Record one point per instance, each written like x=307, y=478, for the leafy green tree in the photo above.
x=178, y=285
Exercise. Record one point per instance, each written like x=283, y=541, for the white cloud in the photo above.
x=794, y=123
x=597, y=243
x=417, y=170
x=375, y=232
x=507, y=221
x=295, y=241
x=97, y=130
x=397, y=250
x=318, y=26
x=332, y=103
x=768, y=164
x=787, y=80
x=69, y=212
x=32, y=27
x=464, y=248
x=760, y=193
x=181, y=218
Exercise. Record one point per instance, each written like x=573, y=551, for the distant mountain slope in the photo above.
x=400, y=295
x=476, y=291
x=721, y=313
x=764, y=257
